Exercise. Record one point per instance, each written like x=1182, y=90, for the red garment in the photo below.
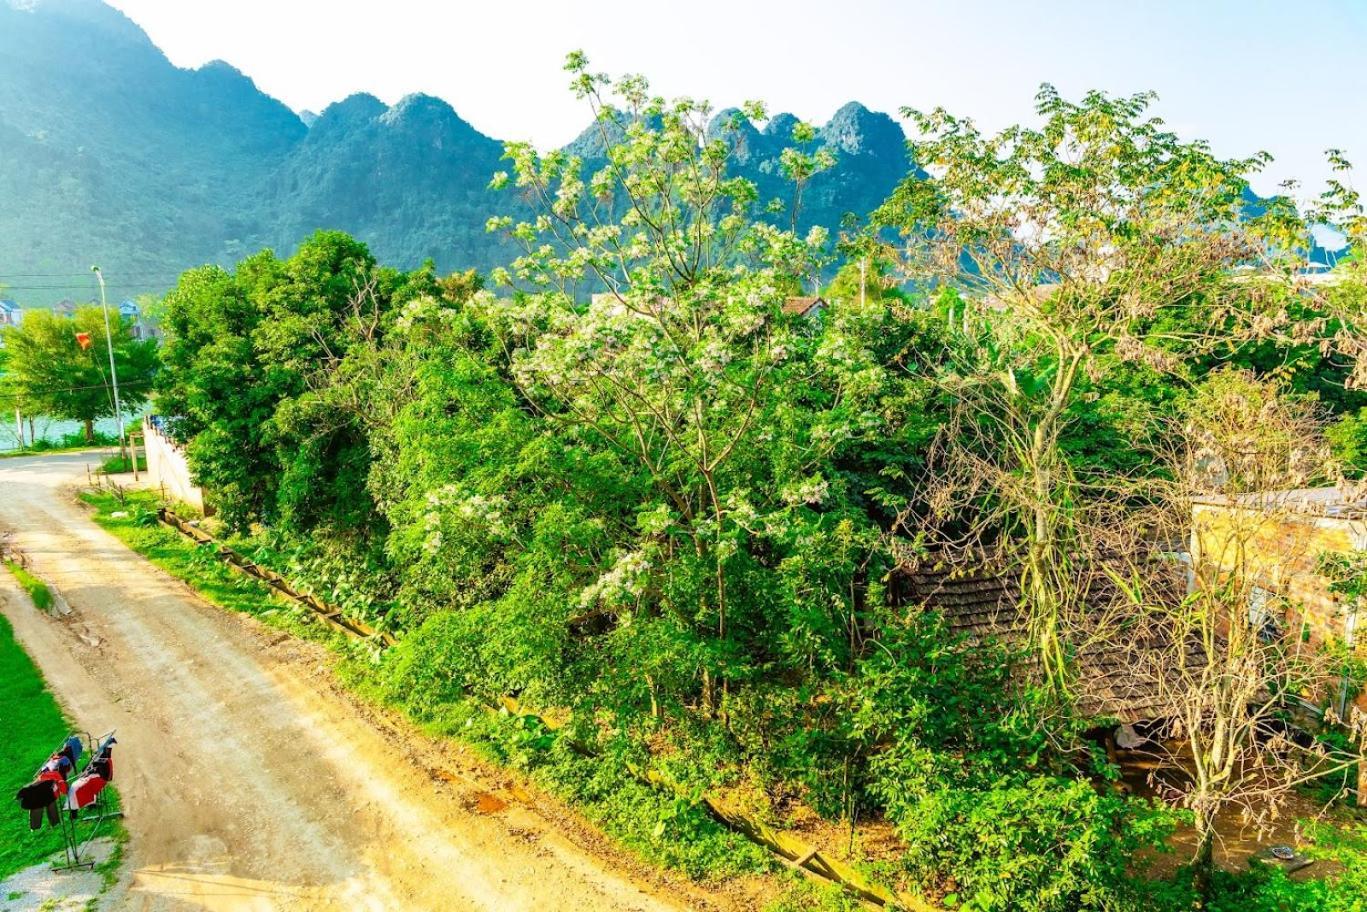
x=54, y=777
x=84, y=790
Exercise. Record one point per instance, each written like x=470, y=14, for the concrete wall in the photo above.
x=1279, y=550
x=167, y=468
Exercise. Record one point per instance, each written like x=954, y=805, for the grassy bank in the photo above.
x=657, y=827
x=36, y=728
x=117, y=465
x=36, y=588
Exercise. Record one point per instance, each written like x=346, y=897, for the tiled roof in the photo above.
x=802, y=306
x=1122, y=678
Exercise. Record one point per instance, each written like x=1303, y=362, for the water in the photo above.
x=54, y=430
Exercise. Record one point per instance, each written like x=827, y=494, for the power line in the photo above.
x=80, y=275
x=68, y=389
x=72, y=287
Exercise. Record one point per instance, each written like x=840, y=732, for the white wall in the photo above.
x=166, y=466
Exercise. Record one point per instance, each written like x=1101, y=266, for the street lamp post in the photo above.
x=109, y=346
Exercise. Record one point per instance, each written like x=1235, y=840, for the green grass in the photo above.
x=49, y=451
x=197, y=565
x=651, y=824
x=37, y=589
x=34, y=728
x=117, y=465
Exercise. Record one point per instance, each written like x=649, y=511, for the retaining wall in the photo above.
x=166, y=466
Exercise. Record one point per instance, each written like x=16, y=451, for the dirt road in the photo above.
x=250, y=782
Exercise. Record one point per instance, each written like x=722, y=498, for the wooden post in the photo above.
x=133, y=446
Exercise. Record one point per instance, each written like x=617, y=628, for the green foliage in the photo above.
x=805, y=896
x=117, y=465
x=24, y=748
x=49, y=373
x=37, y=590
x=242, y=352
x=1348, y=438
x=990, y=819
x=76, y=440
x=627, y=486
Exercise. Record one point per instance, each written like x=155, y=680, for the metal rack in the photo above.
x=96, y=813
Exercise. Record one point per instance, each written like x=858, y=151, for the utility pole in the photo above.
x=109, y=346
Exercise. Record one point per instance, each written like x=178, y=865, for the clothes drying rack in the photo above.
x=96, y=813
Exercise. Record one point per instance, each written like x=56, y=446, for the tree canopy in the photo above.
x=49, y=371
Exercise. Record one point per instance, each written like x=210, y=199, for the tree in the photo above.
x=248, y=354
x=1236, y=664
x=1093, y=253
x=688, y=356
x=50, y=370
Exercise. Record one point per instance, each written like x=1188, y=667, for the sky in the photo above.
x=1286, y=77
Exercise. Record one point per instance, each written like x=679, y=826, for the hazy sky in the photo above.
x=1289, y=77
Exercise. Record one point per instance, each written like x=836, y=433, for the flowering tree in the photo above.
x=684, y=361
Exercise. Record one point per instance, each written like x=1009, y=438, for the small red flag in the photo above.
x=83, y=340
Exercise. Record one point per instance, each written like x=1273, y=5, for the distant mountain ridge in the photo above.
x=111, y=154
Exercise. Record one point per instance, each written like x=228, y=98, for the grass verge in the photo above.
x=37, y=728
x=117, y=465
x=37, y=589
x=658, y=828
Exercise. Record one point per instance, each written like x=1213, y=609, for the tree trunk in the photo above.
x=89, y=431
x=1204, y=862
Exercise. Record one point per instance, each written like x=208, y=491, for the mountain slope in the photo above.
x=110, y=154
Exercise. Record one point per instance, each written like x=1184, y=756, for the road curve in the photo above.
x=250, y=781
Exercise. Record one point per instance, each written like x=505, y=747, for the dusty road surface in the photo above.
x=249, y=781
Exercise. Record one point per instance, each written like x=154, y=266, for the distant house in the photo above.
x=130, y=311
x=808, y=308
x=65, y=308
x=11, y=314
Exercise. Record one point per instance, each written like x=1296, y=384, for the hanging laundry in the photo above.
x=72, y=749
x=103, y=764
x=56, y=778
x=39, y=797
x=37, y=794
x=58, y=763
x=35, y=816
x=84, y=791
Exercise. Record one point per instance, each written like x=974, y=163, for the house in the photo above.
x=1279, y=539
x=65, y=308
x=1126, y=679
x=11, y=314
x=132, y=313
x=809, y=308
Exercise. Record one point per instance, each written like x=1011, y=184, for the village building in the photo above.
x=11, y=314
x=1279, y=538
x=132, y=314
x=1125, y=679
x=810, y=308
